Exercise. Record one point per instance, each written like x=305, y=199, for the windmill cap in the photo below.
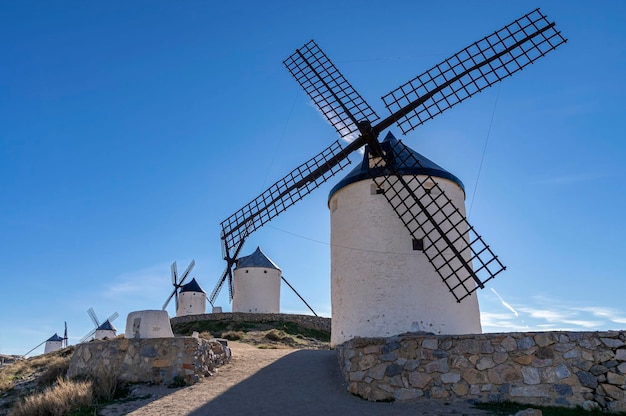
x=54, y=337
x=256, y=259
x=192, y=286
x=422, y=166
x=106, y=326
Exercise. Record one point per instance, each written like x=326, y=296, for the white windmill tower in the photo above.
x=430, y=237
x=256, y=284
x=104, y=330
x=379, y=270
x=55, y=342
x=197, y=305
x=191, y=299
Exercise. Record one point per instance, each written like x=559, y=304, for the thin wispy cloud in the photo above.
x=504, y=303
x=143, y=283
x=541, y=313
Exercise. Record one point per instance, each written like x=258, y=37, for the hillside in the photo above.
x=19, y=378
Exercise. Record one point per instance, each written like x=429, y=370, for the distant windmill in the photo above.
x=177, y=283
x=106, y=327
x=55, y=342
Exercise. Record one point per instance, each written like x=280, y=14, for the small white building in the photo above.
x=106, y=330
x=55, y=342
x=382, y=283
x=191, y=299
x=148, y=324
x=256, y=284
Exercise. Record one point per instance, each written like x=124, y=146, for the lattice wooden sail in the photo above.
x=464, y=74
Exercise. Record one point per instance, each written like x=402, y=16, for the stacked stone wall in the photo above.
x=153, y=360
x=307, y=321
x=543, y=368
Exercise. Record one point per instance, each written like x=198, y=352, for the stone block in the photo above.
x=500, y=357
x=587, y=379
x=405, y=394
x=367, y=361
x=461, y=389
x=613, y=391
x=530, y=375
x=612, y=342
x=524, y=359
x=393, y=370
x=509, y=344
x=378, y=371
x=563, y=390
x=437, y=366
x=564, y=347
x=437, y=392
x=562, y=371
x=419, y=380
x=544, y=339
x=449, y=378
x=525, y=343
x=430, y=343
x=484, y=363
x=504, y=373
x=620, y=354
x=474, y=376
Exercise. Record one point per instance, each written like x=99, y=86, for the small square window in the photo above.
x=418, y=244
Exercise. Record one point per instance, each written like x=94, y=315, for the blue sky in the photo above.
x=130, y=130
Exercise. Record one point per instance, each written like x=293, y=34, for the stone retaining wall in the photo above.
x=153, y=360
x=543, y=368
x=307, y=321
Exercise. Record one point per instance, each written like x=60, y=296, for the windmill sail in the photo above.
x=459, y=255
x=471, y=70
x=342, y=106
x=176, y=283
x=466, y=73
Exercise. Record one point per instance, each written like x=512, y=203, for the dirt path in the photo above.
x=274, y=381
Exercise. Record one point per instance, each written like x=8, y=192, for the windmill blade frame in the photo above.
x=177, y=284
x=333, y=95
x=469, y=71
x=94, y=318
x=459, y=255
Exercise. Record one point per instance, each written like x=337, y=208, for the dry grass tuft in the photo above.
x=57, y=368
x=205, y=335
x=61, y=399
x=233, y=335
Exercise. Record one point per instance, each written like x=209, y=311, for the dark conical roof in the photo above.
x=54, y=337
x=256, y=259
x=106, y=326
x=422, y=166
x=192, y=286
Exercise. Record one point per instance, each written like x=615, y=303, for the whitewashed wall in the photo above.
x=380, y=286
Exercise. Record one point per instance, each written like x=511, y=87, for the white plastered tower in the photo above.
x=105, y=331
x=55, y=342
x=256, y=284
x=382, y=284
x=191, y=299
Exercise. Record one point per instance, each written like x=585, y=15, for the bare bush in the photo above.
x=61, y=399
x=57, y=368
x=233, y=335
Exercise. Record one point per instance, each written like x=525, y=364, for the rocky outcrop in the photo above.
x=547, y=368
x=154, y=360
